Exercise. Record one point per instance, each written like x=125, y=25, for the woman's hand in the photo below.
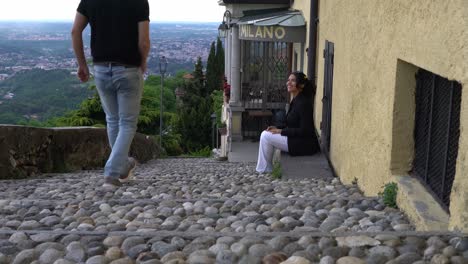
x=273, y=130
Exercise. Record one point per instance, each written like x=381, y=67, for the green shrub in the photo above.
x=171, y=144
x=172, y=148
x=389, y=194
x=276, y=173
x=204, y=152
x=217, y=97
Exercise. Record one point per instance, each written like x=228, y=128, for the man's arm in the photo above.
x=143, y=43
x=77, y=39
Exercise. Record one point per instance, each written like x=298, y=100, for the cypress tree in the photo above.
x=199, y=79
x=220, y=60
x=198, y=71
x=211, y=71
x=194, y=123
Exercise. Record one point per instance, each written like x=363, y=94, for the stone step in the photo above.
x=303, y=167
x=209, y=215
x=162, y=247
x=147, y=185
x=310, y=199
x=203, y=211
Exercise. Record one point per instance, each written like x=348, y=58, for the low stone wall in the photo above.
x=26, y=151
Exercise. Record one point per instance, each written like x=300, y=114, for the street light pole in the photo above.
x=162, y=71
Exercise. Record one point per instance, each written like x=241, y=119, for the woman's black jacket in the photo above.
x=300, y=128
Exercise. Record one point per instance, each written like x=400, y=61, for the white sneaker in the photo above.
x=132, y=164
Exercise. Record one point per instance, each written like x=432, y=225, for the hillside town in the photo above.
x=180, y=44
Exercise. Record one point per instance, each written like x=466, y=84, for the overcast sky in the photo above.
x=160, y=10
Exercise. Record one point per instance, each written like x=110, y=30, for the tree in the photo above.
x=90, y=112
x=220, y=58
x=194, y=124
x=198, y=71
x=199, y=79
x=212, y=71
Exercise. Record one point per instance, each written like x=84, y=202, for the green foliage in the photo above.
x=171, y=143
x=194, y=115
x=213, y=80
x=215, y=67
x=153, y=80
x=199, y=79
x=148, y=122
x=276, y=173
x=198, y=71
x=31, y=123
x=220, y=58
x=66, y=102
x=389, y=194
x=217, y=97
x=197, y=115
x=204, y=152
x=40, y=95
x=89, y=113
x=195, y=123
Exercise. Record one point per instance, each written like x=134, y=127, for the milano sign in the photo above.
x=273, y=33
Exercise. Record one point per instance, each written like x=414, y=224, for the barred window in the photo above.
x=437, y=130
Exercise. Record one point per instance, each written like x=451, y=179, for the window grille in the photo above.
x=437, y=130
x=265, y=69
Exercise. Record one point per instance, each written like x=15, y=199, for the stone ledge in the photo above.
x=27, y=151
x=419, y=205
x=191, y=200
x=194, y=234
x=303, y=167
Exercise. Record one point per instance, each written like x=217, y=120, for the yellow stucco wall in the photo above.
x=371, y=37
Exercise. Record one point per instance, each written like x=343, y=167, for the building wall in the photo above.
x=304, y=7
x=377, y=43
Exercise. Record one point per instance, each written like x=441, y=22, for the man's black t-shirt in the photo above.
x=114, y=29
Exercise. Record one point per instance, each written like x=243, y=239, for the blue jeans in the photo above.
x=120, y=90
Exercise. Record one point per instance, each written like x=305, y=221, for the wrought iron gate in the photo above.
x=265, y=68
x=437, y=130
x=325, y=125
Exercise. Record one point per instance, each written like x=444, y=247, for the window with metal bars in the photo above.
x=437, y=130
x=265, y=69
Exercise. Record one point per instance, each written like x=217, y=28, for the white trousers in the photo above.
x=266, y=149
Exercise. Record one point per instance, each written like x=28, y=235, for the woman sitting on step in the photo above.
x=297, y=136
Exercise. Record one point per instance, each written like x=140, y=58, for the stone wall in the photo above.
x=27, y=151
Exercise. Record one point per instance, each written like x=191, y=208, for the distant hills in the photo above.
x=39, y=95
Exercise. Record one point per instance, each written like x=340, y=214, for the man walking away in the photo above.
x=119, y=47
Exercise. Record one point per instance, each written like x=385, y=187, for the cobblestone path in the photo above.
x=204, y=211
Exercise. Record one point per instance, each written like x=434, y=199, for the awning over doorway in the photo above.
x=283, y=26
x=285, y=18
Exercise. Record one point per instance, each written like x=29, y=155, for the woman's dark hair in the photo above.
x=301, y=79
